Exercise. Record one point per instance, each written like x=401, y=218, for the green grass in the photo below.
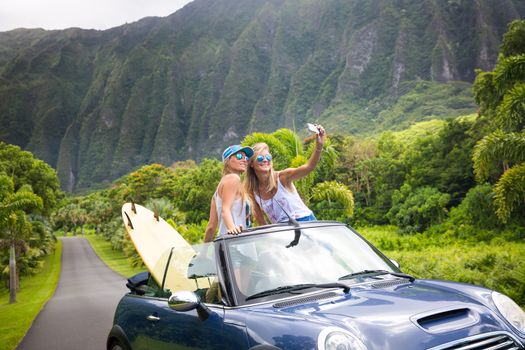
x=496, y=264
x=35, y=291
x=115, y=259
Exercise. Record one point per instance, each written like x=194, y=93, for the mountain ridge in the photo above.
x=96, y=104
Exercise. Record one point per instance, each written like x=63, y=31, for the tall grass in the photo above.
x=496, y=264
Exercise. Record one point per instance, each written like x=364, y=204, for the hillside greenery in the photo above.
x=420, y=190
x=96, y=105
x=443, y=196
x=29, y=192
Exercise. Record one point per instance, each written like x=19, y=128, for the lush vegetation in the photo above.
x=35, y=291
x=29, y=191
x=494, y=262
x=424, y=181
x=96, y=105
x=443, y=197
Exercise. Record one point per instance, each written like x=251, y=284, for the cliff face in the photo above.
x=96, y=104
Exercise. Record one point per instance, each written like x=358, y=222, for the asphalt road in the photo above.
x=80, y=314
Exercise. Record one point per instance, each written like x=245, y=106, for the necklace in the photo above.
x=263, y=204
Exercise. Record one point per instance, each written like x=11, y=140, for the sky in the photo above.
x=87, y=14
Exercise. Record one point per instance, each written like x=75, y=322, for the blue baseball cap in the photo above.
x=231, y=150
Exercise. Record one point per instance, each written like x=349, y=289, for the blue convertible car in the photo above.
x=317, y=285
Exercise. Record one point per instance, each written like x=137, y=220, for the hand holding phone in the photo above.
x=312, y=128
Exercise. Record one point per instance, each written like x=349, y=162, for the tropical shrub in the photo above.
x=418, y=209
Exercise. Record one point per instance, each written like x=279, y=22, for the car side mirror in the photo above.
x=184, y=301
x=396, y=264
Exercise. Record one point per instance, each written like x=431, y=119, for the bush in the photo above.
x=416, y=210
x=477, y=209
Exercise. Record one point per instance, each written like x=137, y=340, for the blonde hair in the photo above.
x=227, y=169
x=251, y=182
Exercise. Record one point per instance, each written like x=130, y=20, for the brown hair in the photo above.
x=251, y=182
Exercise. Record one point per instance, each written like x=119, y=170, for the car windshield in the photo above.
x=323, y=255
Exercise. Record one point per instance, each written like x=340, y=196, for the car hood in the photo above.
x=396, y=314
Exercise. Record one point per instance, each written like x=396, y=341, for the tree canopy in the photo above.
x=500, y=156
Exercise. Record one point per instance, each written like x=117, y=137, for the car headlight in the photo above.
x=510, y=310
x=333, y=338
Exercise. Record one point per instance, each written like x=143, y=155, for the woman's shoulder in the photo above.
x=228, y=180
x=231, y=178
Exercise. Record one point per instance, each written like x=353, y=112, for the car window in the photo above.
x=323, y=255
x=193, y=269
x=152, y=289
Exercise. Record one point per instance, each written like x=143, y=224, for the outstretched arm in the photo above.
x=213, y=221
x=288, y=175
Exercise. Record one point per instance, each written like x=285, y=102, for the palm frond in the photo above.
x=511, y=112
x=333, y=191
x=485, y=92
x=6, y=185
x=290, y=140
x=495, y=150
x=20, y=201
x=508, y=72
x=509, y=191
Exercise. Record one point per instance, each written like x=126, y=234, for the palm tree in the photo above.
x=501, y=95
x=14, y=224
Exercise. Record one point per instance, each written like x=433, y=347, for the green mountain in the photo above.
x=96, y=104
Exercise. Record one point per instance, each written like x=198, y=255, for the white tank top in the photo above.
x=283, y=200
x=238, y=211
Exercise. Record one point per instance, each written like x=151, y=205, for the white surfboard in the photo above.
x=156, y=241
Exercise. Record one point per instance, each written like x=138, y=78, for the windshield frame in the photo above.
x=236, y=296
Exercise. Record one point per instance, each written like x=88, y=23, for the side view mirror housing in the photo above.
x=184, y=301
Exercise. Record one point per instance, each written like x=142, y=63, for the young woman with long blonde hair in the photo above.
x=229, y=211
x=273, y=192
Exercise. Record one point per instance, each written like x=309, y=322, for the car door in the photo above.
x=165, y=328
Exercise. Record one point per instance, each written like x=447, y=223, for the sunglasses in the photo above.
x=241, y=156
x=261, y=159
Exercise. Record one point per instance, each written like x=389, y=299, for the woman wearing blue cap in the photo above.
x=228, y=209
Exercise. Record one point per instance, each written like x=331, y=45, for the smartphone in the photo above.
x=312, y=128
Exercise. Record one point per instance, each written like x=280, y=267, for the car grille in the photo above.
x=305, y=300
x=492, y=341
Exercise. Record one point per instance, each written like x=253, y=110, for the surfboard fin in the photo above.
x=155, y=212
x=133, y=207
x=129, y=221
